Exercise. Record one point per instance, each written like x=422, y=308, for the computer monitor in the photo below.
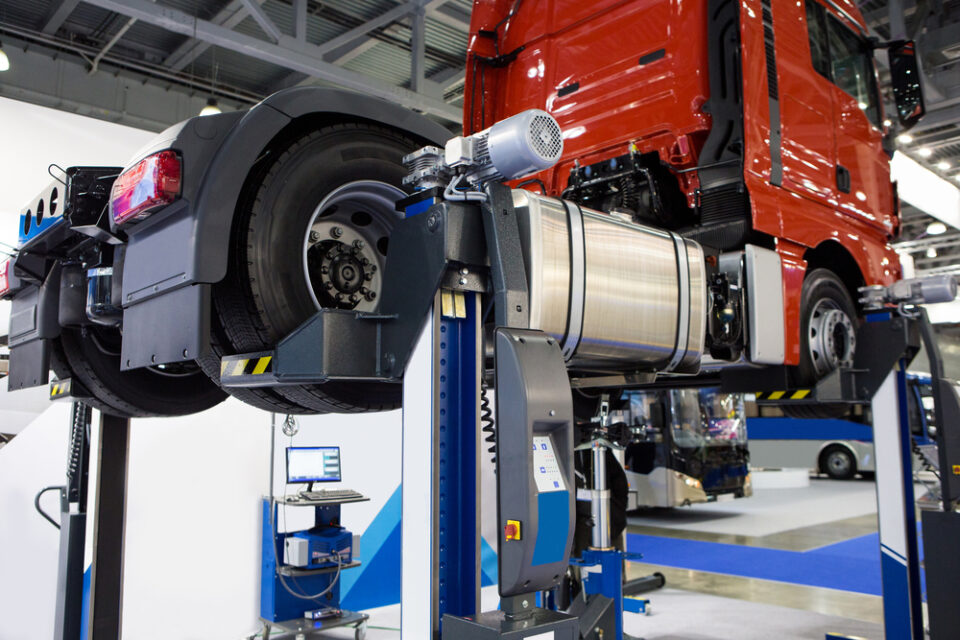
x=313, y=464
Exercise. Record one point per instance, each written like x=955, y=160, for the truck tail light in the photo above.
x=152, y=183
x=5, y=277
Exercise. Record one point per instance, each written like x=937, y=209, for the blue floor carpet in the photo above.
x=852, y=565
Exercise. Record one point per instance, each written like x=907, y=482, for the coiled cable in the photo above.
x=488, y=425
x=78, y=434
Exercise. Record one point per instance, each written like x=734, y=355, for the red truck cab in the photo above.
x=732, y=123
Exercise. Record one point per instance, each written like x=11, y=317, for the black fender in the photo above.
x=187, y=245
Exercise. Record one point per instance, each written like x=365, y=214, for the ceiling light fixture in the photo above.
x=211, y=109
x=936, y=228
x=943, y=165
x=932, y=252
x=4, y=60
x=924, y=152
x=904, y=138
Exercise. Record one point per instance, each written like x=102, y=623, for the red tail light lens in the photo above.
x=143, y=188
x=5, y=277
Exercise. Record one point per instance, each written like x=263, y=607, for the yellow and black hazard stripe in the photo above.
x=793, y=394
x=60, y=388
x=246, y=365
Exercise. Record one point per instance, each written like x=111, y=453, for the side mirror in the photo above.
x=905, y=77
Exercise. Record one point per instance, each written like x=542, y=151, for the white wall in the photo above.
x=29, y=544
x=192, y=555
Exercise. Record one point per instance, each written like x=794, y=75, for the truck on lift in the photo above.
x=737, y=151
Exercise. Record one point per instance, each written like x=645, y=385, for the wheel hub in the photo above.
x=838, y=463
x=341, y=273
x=346, y=245
x=832, y=338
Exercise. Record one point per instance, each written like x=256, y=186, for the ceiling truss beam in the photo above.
x=306, y=58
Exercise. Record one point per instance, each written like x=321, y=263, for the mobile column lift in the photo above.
x=455, y=244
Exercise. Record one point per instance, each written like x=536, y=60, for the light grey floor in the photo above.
x=681, y=615
x=770, y=511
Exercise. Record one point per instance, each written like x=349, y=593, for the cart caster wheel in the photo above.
x=360, y=633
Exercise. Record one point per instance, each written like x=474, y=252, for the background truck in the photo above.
x=841, y=448
x=749, y=135
x=694, y=448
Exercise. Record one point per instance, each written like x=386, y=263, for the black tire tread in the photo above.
x=58, y=363
x=264, y=398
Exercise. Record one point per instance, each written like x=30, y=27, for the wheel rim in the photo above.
x=345, y=245
x=838, y=463
x=831, y=337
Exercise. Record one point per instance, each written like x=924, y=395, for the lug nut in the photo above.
x=328, y=285
x=336, y=232
x=314, y=236
x=364, y=290
x=368, y=277
x=324, y=269
x=354, y=298
x=373, y=267
x=358, y=244
x=371, y=295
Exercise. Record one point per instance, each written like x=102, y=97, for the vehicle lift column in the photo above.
x=440, y=523
x=886, y=344
x=96, y=614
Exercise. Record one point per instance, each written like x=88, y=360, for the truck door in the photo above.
x=862, y=171
x=806, y=101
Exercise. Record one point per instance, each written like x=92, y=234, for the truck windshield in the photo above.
x=707, y=418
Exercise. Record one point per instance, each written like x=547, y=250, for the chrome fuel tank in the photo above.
x=616, y=295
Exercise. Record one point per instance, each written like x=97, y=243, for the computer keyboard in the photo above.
x=329, y=494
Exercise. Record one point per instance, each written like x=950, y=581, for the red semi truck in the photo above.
x=755, y=129
x=734, y=123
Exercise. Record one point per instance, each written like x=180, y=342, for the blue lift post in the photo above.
x=441, y=402
x=896, y=510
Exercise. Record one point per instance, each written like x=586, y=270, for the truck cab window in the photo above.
x=817, y=32
x=851, y=66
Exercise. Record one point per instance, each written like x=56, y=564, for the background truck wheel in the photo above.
x=828, y=337
x=312, y=230
x=93, y=360
x=838, y=463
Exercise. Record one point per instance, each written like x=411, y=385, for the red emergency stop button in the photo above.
x=512, y=530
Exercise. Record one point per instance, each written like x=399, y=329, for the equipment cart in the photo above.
x=280, y=609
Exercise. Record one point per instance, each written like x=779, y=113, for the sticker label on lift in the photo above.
x=546, y=469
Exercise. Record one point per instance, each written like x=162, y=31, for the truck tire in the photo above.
x=838, y=463
x=172, y=390
x=828, y=337
x=311, y=231
x=261, y=398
